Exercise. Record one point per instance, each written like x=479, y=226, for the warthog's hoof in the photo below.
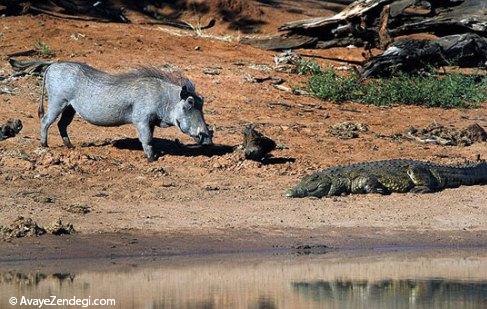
x=44, y=144
x=68, y=144
x=152, y=158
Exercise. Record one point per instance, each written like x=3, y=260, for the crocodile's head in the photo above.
x=317, y=185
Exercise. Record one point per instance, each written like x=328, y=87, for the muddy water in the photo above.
x=411, y=279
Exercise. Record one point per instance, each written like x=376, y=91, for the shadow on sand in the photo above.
x=176, y=148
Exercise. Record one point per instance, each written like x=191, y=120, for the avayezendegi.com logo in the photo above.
x=55, y=301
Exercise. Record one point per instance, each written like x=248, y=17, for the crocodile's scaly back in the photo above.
x=384, y=177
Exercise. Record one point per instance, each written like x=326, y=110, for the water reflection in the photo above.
x=334, y=280
x=22, y=280
x=440, y=293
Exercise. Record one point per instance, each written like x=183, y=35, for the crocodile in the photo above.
x=387, y=176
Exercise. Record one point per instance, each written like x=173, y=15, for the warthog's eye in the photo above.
x=189, y=104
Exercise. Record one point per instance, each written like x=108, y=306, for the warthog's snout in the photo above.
x=205, y=138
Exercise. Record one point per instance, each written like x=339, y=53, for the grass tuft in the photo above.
x=43, y=49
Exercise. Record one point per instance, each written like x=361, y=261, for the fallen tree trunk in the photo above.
x=375, y=23
x=94, y=10
x=464, y=50
x=280, y=42
x=356, y=9
x=469, y=16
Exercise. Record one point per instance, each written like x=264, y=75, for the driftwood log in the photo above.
x=94, y=10
x=375, y=23
x=91, y=10
x=410, y=56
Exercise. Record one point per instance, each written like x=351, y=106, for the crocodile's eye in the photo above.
x=314, y=177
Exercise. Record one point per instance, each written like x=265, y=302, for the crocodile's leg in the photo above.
x=339, y=186
x=321, y=188
x=424, y=181
x=368, y=184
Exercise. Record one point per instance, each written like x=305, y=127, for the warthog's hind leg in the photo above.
x=146, y=131
x=66, y=119
x=54, y=110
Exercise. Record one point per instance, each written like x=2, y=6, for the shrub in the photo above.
x=448, y=91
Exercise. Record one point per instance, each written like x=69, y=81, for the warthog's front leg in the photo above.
x=146, y=131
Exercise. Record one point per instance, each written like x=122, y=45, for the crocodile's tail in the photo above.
x=483, y=171
x=472, y=174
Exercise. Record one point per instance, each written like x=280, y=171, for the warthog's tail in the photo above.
x=40, y=109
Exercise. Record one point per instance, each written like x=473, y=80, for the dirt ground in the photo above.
x=195, y=192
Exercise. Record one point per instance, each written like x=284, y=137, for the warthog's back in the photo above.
x=105, y=99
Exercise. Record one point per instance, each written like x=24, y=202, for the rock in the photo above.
x=475, y=133
x=102, y=143
x=348, y=130
x=78, y=209
x=439, y=134
x=212, y=70
x=7, y=90
x=45, y=199
x=59, y=228
x=255, y=145
x=287, y=57
x=311, y=249
x=159, y=171
x=22, y=227
x=209, y=187
x=287, y=61
x=10, y=129
x=260, y=67
x=50, y=159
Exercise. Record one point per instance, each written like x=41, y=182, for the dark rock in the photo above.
x=348, y=130
x=78, y=209
x=10, y=129
x=439, y=134
x=256, y=146
x=22, y=227
x=59, y=228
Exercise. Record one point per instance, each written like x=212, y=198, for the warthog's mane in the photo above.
x=142, y=72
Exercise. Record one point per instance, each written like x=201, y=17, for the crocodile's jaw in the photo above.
x=296, y=192
x=310, y=186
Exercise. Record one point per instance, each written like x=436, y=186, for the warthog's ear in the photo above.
x=184, y=93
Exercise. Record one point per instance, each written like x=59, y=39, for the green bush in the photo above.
x=329, y=86
x=304, y=67
x=448, y=91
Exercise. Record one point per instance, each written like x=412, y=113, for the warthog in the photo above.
x=146, y=97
